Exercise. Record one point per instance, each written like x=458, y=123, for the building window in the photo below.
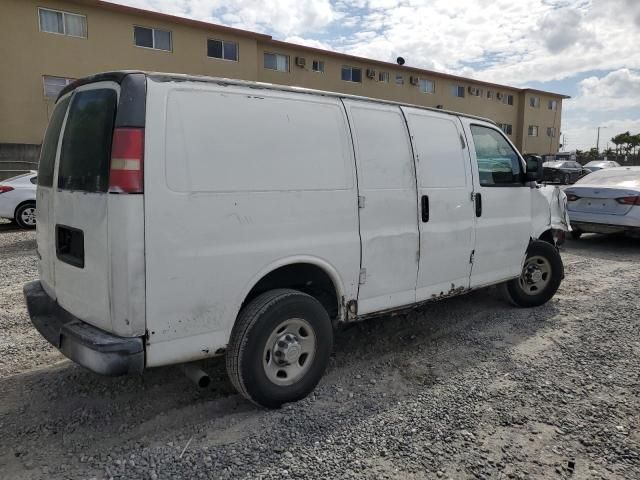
x=489, y=94
x=275, y=61
x=317, y=66
x=534, y=102
x=426, y=86
x=351, y=74
x=152, y=38
x=457, y=91
x=54, y=85
x=383, y=77
x=533, y=130
x=553, y=105
x=507, y=128
x=63, y=23
x=223, y=49
x=507, y=99
x=551, y=132
x=399, y=80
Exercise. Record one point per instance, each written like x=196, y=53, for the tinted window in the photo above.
x=86, y=145
x=214, y=48
x=498, y=163
x=143, y=37
x=34, y=180
x=50, y=145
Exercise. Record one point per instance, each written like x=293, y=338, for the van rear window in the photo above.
x=50, y=145
x=86, y=145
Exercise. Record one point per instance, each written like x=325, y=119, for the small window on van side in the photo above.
x=50, y=144
x=498, y=163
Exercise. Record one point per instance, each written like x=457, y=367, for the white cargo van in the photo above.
x=185, y=217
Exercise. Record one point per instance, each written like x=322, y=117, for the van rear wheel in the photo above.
x=279, y=347
x=541, y=275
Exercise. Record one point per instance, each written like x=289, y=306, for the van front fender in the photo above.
x=548, y=210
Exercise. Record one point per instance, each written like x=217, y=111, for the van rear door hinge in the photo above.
x=363, y=276
x=360, y=201
x=473, y=252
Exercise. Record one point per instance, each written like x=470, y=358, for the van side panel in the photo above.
x=236, y=182
x=126, y=251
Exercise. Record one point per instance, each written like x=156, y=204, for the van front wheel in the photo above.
x=279, y=347
x=541, y=275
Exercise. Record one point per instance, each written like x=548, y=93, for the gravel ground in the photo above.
x=466, y=388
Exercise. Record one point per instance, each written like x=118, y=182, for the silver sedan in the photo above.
x=606, y=201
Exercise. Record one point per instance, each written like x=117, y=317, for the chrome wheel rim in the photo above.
x=28, y=216
x=289, y=351
x=536, y=275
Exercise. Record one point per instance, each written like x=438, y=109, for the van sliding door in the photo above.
x=388, y=206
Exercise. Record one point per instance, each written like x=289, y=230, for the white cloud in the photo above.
x=616, y=90
x=283, y=17
x=308, y=42
x=585, y=137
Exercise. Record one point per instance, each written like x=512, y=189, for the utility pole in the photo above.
x=598, y=141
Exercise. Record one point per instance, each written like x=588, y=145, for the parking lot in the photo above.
x=469, y=387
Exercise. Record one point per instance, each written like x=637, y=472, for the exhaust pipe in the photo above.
x=196, y=374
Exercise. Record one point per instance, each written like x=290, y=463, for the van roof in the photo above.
x=118, y=76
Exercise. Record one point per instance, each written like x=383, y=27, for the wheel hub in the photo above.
x=533, y=274
x=286, y=349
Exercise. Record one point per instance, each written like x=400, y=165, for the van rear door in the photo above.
x=91, y=248
x=78, y=222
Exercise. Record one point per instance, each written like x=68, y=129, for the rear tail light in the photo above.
x=5, y=188
x=572, y=197
x=127, y=161
x=631, y=200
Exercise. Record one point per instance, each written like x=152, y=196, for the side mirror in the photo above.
x=535, y=171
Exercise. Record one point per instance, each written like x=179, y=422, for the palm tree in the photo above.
x=619, y=140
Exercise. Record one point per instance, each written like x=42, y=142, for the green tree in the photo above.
x=620, y=140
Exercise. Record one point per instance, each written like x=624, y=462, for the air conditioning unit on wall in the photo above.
x=301, y=62
x=413, y=80
x=371, y=73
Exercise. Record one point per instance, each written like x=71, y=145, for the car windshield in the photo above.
x=613, y=177
x=595, y=163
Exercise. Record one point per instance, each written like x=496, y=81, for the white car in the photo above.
x=606, y=201
x=184, y=217
x=18, y=199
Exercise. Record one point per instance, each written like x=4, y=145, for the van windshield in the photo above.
x=86, y=145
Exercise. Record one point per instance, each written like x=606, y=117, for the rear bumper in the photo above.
x=590, y=227
x=95, y=349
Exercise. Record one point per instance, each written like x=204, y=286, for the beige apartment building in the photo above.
x=49, y=43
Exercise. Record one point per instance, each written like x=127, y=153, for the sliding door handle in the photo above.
x=478, y=201
x=425, y=208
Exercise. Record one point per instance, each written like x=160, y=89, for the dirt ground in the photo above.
x=469, y=387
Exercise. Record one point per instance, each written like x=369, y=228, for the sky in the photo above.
x=588, y=49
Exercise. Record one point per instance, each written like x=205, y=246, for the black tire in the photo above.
x=515, y=290
x=24, y=213
x=576, y=234
x=256, y=324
